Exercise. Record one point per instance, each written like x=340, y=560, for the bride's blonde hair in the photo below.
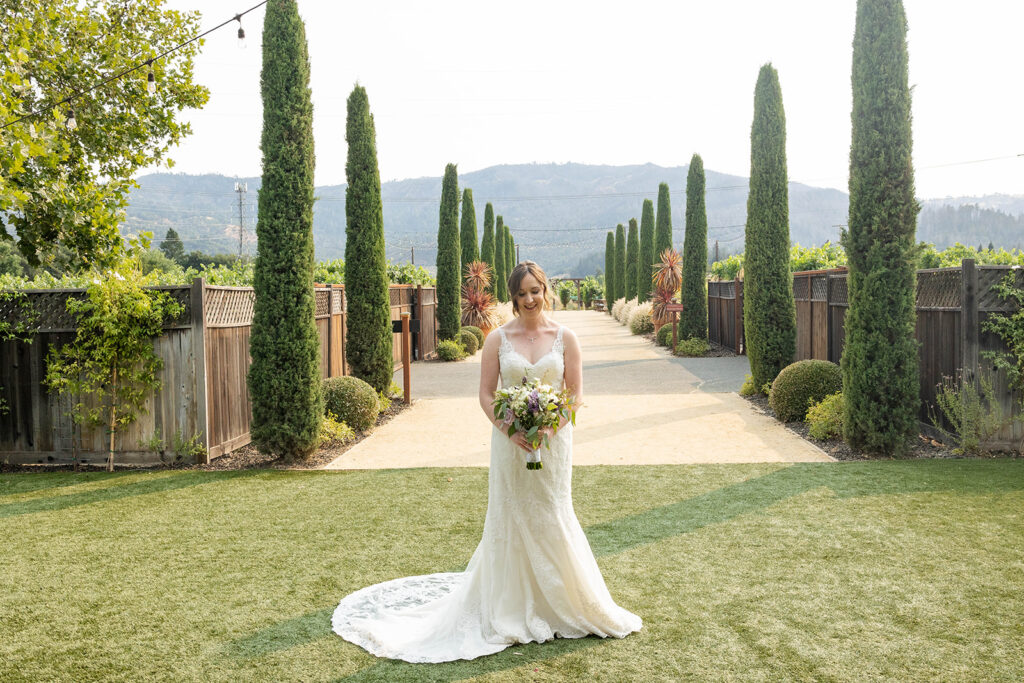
x=515, y=279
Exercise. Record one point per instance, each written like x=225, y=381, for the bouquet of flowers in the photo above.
x=530, y=407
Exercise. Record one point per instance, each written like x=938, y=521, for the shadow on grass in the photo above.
x=119, y=491
x=846, y=480
x=29, y=482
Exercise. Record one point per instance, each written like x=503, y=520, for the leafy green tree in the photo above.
x=645, y=273
x=632, y=259
x=284, y=378
x=620, y=262
x=66, y=187
x=11, y=260
x=880, y=364
x=693, y=321
x=368, y=344
x=172, y=246
x=449, y=281
x=487, y=245
x=500, y=286
x=769, y=312
x=663, y=226
x=467, y=232
x=609, y=270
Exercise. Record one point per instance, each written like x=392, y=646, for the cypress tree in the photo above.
x=499, y=260
x=284, y=377
x=609, y=271
x=769, y=312
x=693, y=321
x=880, y=364
x=645, y=273
x=663, y=227
x=448, y=258
x=632, y=259
x=172, y=246
x=467, y=232
x=513, y=261
x=620, y=262
x=487, y=245
x=368, y=340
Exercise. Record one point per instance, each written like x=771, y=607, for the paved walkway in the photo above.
x=643, y=407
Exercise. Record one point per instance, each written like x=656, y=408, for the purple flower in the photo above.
x=509, y=417
x=533, y=402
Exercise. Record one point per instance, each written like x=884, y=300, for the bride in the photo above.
x=533, y=577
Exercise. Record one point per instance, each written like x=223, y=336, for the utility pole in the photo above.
x=517, y=254
x=412, y=260
x=716, y=251
x=241, y=189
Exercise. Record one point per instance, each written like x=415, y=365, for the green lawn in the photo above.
x=826, y=571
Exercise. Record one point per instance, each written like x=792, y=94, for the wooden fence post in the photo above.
x=199, y=360
x=406, y=358
x=418, y=308
x=969, y=319
x=738, y=316
x=828, y=316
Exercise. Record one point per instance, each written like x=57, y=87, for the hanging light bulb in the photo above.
x=151, y=83
x=241, y=31
x=71, y=123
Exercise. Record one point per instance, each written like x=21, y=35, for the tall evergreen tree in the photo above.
x=632, y=259
x=487, y=244
x=881, y=393
x=284, y=377
x=645, y=273
x=499, y=260
x=514, y=261
x=368, y=341
x=769, y=312
x=609, y=271
x=172, y=246
x=449, y=309
x=467, y=232
x=663, y=227
x=693, y=321
x=620, y=262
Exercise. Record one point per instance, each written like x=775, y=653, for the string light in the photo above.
x=241, y=32
x=71, y=123
x=150, y=80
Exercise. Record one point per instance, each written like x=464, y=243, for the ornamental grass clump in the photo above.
x=617, y=308
x=802, y=384
x=626, y=311
x=468, y=341
x=825, y=419
x=352, y=401
x=640, y=319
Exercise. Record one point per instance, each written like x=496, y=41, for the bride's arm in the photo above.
x=489, y=375
x=573, y=367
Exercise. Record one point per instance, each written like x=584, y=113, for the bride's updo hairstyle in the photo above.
x=515, y=279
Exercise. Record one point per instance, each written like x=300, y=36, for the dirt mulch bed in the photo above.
x=245, y=458
x=715, y=350
x=922, y=447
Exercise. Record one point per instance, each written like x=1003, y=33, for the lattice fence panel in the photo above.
x=819, y=287
x=840, y=293
x=939, y=288
x=46, y=310
x=800, y=288
x=229, y=307
x=988, y=277
x=337, y=301
x=323, y=303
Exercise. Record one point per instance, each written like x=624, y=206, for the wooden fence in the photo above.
x=952, y=305
x=204, y=391
x=725, y=314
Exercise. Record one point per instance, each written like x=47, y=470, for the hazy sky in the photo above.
x=485, y=83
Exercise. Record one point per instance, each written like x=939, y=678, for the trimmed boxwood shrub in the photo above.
x=468, y=341
x=478, y=333
x=449, y=349
x=665, y=335
x=691, y=347
x=802, y=384
x=825, y=419
x=352, y=400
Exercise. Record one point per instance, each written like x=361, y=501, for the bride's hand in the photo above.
x=519, y=439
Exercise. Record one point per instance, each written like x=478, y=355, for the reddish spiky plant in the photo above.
x=661, y=298
x=478, y=308
x=668, y=275
x=478, y=275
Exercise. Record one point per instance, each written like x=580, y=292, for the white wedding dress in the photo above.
x=533, y=577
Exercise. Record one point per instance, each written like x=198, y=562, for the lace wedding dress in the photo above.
x=533, y=577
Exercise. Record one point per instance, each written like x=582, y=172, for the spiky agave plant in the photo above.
x=660, y=300
x=478, y=308
x=668, y=275
x=477, y=275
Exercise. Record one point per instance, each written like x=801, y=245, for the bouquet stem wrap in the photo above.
x=533, y=461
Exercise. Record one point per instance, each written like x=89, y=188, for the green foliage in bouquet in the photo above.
x=801, y=385
x=352, y=400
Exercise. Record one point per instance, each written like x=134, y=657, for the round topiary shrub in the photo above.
x=449, y=349
x=640, y=320
x=468, y=341
x=801, y=385
x=352, y=401
x=665, y=335
x=478, y=333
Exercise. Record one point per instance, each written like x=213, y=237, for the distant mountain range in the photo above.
x=558, y=213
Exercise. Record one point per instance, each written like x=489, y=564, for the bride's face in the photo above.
x=530, y=297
